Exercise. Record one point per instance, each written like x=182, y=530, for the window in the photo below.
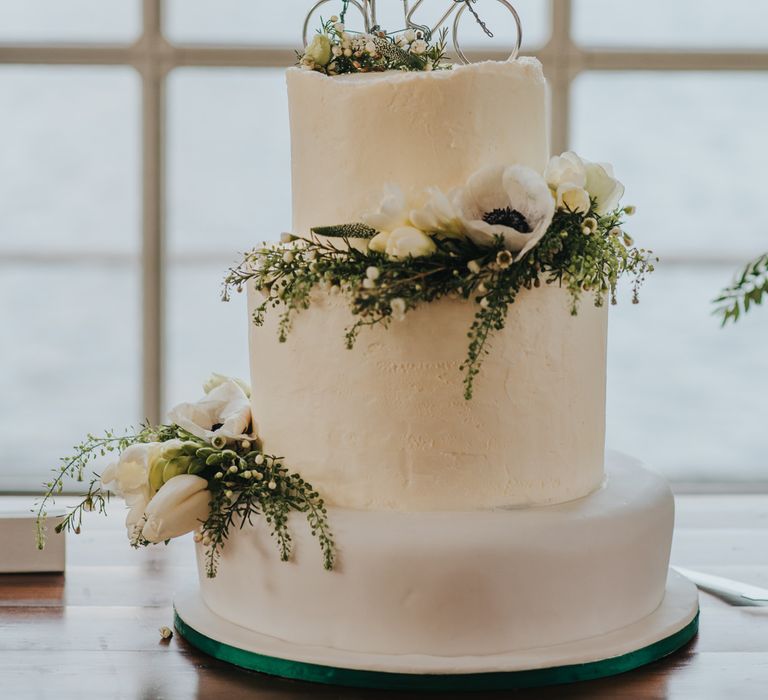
x=145, y=144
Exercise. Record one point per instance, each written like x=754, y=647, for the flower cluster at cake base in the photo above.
x=507, y=230
x=204, y=472
x=334, y=50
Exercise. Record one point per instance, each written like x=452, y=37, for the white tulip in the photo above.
x=179, y=507
x=573, y=197
x=513, y=202
x=217, y=379
x=603, y=187
x=565, y=168
x=224, y=412
x=319, y=50
x=407, y=241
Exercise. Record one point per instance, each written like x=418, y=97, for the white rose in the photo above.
x=217, y=379
x=180, y=506
x=565, y=168
x=225, y=412
x=319, y=50
x=573, y=197
x=419, y=46
x=407, y=242
x=603, y=187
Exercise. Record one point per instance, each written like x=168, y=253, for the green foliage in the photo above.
x=583, y=259
x=243, y=481
x=747, y=290
x=390, y=52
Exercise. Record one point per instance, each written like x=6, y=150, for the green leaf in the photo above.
x=345, y=231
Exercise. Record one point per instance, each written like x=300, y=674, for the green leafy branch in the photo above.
x=584, y=253
x=243, y=482
x=748, y=289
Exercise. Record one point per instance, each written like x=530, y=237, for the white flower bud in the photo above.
x=287, y=237
x=473, y=266
x=246, y=444
x=206, y=541
x=368, y=283
x=288, y=256
x=247, y=474
x=272, y=485
x=229, y=494
x=166, y=632
x=347, y=52
x=630, y=210
x=398, y=308
x=484, y=302
x=233, y=469
x=259, y=459
x=372, y=273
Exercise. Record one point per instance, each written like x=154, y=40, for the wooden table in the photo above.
x=94, y=633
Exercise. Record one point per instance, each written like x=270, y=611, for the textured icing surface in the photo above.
x=385, y=425
x=351, y=135
x=462, y=583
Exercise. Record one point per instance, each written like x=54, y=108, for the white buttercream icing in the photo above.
x=352, y=134
x=385, y=425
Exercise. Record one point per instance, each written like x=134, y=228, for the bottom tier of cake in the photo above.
x=459, y=584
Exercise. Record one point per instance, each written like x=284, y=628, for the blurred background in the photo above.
x=145, y=144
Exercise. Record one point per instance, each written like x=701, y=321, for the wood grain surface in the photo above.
x=94, y=632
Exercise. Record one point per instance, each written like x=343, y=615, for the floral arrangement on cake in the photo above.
x=204, y=472
x=508, y=229
x=335, y=50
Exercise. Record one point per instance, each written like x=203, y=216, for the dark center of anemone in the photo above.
x=508, y=217
x=216, y=426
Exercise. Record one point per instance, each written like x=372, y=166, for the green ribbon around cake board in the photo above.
x=316, y=673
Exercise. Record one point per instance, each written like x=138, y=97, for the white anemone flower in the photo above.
x=513, y=202
x=223, y=412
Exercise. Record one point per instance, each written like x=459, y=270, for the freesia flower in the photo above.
x=513, y=202
x=408, y=241
x=129, y=479
x=225, y=412
x=438, y=215
x=319, y=50
x=603, y=187
x=179, y=507
x=566, y=168
x=217, y=379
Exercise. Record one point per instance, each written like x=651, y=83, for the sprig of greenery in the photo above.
x=750, y=288
x=243, y=481
x=584, y=253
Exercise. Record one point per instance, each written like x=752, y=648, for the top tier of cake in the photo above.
x=353, y=134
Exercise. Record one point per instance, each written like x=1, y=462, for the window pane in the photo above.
x=69, y=171
x=684, y=394
x=244, y=21
x=704, y=24
x=691, y=149
x=71, y=337
x=69, y=20
x=228, y=160
x=203, y=334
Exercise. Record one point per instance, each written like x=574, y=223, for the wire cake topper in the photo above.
x=367, y=10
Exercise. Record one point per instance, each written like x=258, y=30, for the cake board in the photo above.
x=672, y=625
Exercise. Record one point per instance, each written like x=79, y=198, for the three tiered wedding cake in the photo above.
x=451, y=462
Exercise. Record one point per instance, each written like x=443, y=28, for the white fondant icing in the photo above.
x=385, y=425
x=677, y=610
x=352, y=134
x=461, y=583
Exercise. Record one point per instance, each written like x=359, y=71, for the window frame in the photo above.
x=153, y=56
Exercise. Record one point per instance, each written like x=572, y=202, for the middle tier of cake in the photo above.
x=385, y=425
